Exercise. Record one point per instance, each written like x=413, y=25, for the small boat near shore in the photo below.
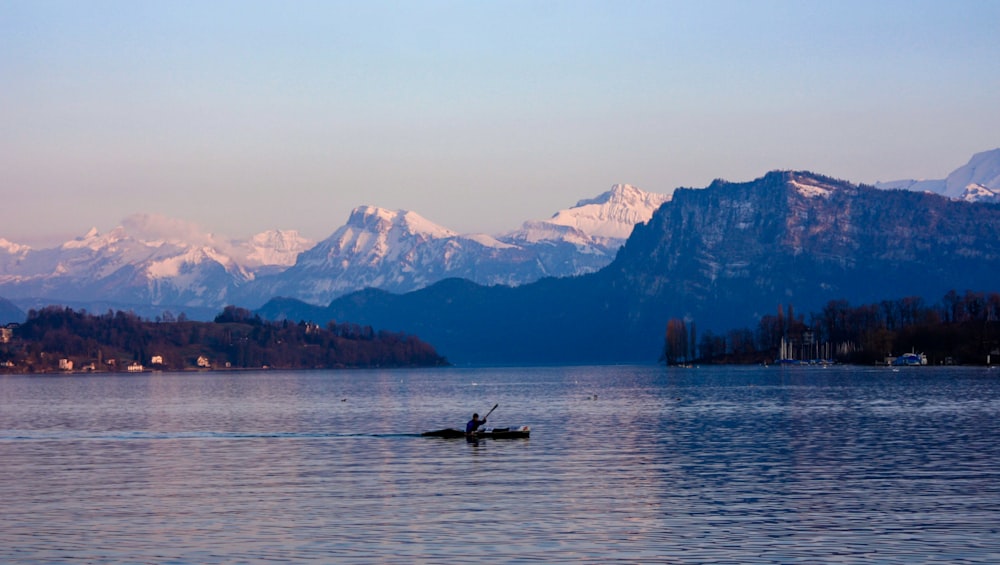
x=520, y=432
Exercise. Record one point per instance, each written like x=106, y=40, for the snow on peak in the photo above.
x=612, y=214
x=146, y=231
x=618, y=193
x=419, y=224
x=363, y=216
x=373, y=235
x=373, y=218
x=979, y=193
x=622, y=195
x=95, y=240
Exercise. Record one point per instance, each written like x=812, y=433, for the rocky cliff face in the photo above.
x=803, y=238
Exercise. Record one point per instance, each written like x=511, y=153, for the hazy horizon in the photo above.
x=244, y=117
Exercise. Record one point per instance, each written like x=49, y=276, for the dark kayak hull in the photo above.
x=494, y=433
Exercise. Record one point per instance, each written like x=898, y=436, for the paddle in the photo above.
x=491, y=411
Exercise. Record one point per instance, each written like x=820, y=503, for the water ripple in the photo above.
x=625, y=465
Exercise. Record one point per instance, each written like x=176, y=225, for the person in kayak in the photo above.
x=474, y=424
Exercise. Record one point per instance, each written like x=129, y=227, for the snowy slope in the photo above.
x=979, y=193
x=604, y=222
x=982, y=170
x=393, y=250
x=976, y=181
x=613, y=214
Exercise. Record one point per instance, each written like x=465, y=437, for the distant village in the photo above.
x=101, y=364
x=111, y=365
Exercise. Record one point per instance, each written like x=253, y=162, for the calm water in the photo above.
x=625, y=464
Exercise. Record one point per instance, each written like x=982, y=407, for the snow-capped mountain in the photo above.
x=605, y=221
x=400, y=251
x=154, y=260
x=976, y=181
x=392, y=250
x=979, y=193
x=148, y=260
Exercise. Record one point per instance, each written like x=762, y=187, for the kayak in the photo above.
x=490, y=433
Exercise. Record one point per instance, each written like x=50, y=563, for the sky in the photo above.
x=248, y=116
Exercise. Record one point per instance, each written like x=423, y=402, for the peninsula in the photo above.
x=55, y=339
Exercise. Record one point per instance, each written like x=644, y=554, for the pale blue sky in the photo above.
x=246, y=116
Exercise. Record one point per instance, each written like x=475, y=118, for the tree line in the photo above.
x=236, y=339
x=961, y=329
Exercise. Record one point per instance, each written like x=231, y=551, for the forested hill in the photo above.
x=53, y=337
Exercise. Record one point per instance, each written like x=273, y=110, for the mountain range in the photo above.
x=719, y=257
x=400, y=251
x=151, y=264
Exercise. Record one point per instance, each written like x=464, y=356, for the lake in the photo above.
x=626, y=464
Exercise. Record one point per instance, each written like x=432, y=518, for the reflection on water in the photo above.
x=628, y=464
